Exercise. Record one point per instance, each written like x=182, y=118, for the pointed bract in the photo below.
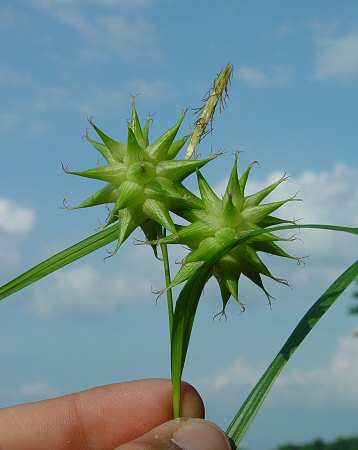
x=180, y=169
x=244, y=177
x=158, y=151
x=135, y=153
x=145, y=131
x=159, y=212
x=258, y=213
x=175, y=148
x=211, y=202
x=234, y=188
x=102, y=148
x=136, y=126
x=117, y=149
x=256, y=199
x=114, y=174
x=129, y=220
x=105, y=195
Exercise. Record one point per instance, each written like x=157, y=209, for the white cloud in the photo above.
x=337, y=57
x=150, y=90
x=281, y=31
x=37, y=389
x=115, y=32
x=10, y=256
x=32, y=114
x=241, y=371
x=80, y=291
x=252, y=75
x=257, y=77
x=15, y=218
x=118, y=30
x=102, y=100
x=9, y=120
x=133, y=39
x=27, y=392
x=88, y=291
x=47, y=4
x=58, y=97
x=110, y=35
x=9, y=17
x=9, y=75
x=337, y=381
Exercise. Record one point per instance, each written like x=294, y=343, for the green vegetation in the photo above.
x=319, y=444
x=354, y=309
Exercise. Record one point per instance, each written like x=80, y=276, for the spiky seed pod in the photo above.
x=220, y=223
x=144, y=182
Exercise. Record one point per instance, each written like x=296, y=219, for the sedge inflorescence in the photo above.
x=144, y=181
x=220, y=225
x=145, y=185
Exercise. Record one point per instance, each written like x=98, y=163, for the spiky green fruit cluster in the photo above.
x=220, y=223
x=143, y=180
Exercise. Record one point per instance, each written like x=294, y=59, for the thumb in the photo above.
x=181, y=434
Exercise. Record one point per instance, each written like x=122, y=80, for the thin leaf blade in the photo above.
x=61, y=259
x=244, y=417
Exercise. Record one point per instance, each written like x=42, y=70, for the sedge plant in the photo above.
x=224, y=236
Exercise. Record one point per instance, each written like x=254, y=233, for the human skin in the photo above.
x=130, y=415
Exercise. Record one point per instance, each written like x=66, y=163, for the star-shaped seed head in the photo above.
x=219, y=225
x=144, y=181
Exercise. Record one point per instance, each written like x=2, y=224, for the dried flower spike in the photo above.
x=218, y=93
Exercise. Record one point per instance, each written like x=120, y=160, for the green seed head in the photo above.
x=220, y=224
x=141, y=172
x=144, y=182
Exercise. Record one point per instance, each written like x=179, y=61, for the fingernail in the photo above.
x=200, y=435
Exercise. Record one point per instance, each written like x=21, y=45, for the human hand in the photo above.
x=126, y=416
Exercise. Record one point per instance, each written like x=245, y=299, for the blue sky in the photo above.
x=293, y=108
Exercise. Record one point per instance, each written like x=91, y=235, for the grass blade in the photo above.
x=252, y=404
x=59, y=260
x=184, y=315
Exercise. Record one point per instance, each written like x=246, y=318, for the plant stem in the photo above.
x=164, y=250
x=176, y=402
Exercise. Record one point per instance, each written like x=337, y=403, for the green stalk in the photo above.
x=176, y=400
x=164, y=249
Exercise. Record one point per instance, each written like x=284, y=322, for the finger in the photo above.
x=191, y=434
x=98, y=418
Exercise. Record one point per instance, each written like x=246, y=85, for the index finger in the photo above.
x=100, y=418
